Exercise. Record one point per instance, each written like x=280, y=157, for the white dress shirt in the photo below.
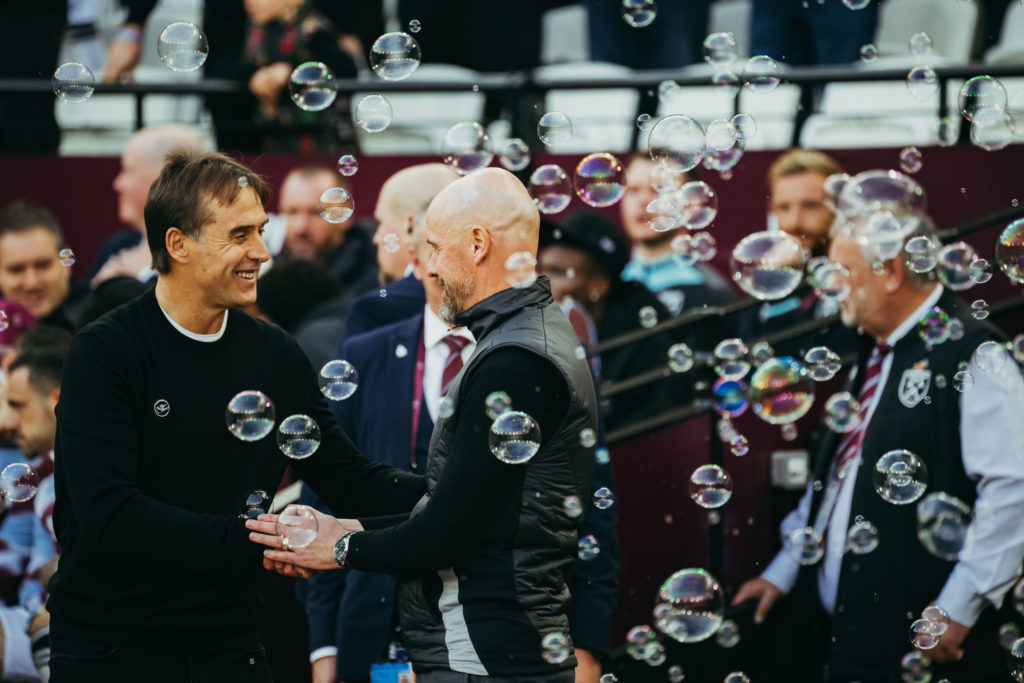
x=434, y=330
x=992, y=447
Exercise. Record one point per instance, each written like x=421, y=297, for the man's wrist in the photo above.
x=341, y=548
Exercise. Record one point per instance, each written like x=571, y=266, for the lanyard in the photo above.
x=417, y=396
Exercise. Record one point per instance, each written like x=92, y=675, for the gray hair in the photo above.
x=878, y=248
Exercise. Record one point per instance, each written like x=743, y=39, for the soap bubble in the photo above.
x=588, y=438
x=521, y=269
x=415, y=26
x=920, y=254
x=991, y=357
x=729, y=397
x=694, y=606
x=979, y=309
x=1009, y=633
x=868, y=53
x=550, y=188
x=675, y=674
x=736, y=677
x=555, y=647
x=922, y=82
x=833, y=186
x=601, y=456
x=697, y=204
x=953, y=265
x=993, y=129
x=981, y=271
x=250, y=415
x=338, y=380
x=297, y=524
x=726, y=81
x=466, y=147
x=554, y=129
x=963, y=381
x=768, y=265
x=728, y=634
x=982, y=99
x=739, y=445
x=723, y=160
x=497, y=403
x=946, y=132
x=938, y=617
x=916, y=668
x=298, y=436
x=761, y=74
x=588, y=548
x=677, y=141
x=831, y=281
x=900, y=477
x=745, y=125
x=514, y=437
x=312, y=86
x=446, y=408
x=761, y=351
x=920, y=44
x=18, y=482
x=394, y=56
x=823, y=363
x=661, y=214
x=861, y=537
x=391, y=243
x=806, y=546
x=373, y=113
x=73, y=82
x=336, y=205
x=710, y=486
x=648, y=316
x=67, y=258
x=514, y=154
x=572, y=507
x=871, y=191
x=942, y=522
x=910, y=159
x=922, y=635
x=720, y=134
x=731, y=358
x=781, y=391
x=600, y=180
x=639, y=13
x=680, y=357
x=182, y=47
x=682, y=249
x=856, y=4
x=704, y=246
x=1010, y=251
x=842, y=412
x=637, y=640
x=348, y=165
x=603, y=498
x=1016, y=659
x=720, y=49
x=644, y=122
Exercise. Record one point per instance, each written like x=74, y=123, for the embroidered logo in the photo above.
x=161, y=408
x=914, y=386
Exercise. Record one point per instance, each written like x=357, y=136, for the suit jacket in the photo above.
x=402, y=299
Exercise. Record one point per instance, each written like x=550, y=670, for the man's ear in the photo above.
x=52, y=399
x=480, y=243
x=176, y=244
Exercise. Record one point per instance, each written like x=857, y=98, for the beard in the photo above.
x=454, y=298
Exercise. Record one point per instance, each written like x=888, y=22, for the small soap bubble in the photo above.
x=823, y=363
x=868, y=53
x=788, y=432
x=250, y=415
x=806, y=546
x=497, y=403
x=920, y=44
x=922, y=83
x=18, y=482
x=415, y=26
x=395, y=56
x=731, y=358
x=761, y=352
x=298, y=436
x=648, y=317
x=982, y=99
x=916, y=667
x=729, y=397
x=338, y=380
x=979, y=309
x=922, y=635
x=603, y=498
x=745, y=125
x=677, y=142
x=1010, y=251
x=466, y=147
x=696, y=204
x=600, y=180
x=608, y=678
x=182, y=47
x=514, y=154
x=391, y=243
x=312, y=86
x=910, y=159
x=710, y=486
x=639, y=13
x=690, y=605
x=572, y=507
x=937, y=616
x=297, y=524
x=373, y=113
x=942, y=522
x=588, y=439
x=900, y=477
x=920, y=254
x=720, y=49
x=514, y=437
x=761, y=74
x=728, y=634
x=602, y=456
x=550, y=188
x=934, y=327
x=736, y=677
x=842, y=412
x=720, y=134
x=675, y=674
x=856, y=4
x=73, y=82
x=67, y=258
x=862, y=537
x=963, y=381
x=446, y=408
x=991, y=357
x=5, y=322
x=946, y=132
x=739, y=445
x=336, y=205
x=521, y=269
x=588, y=548
x=981, y=271
x=555, y=647
x=554, y=129
x=644, y=122
x=383, y=293
x=348, y=165
x=1009, y=633
x=680, y=357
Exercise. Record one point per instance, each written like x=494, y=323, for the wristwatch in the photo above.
x=341, y=550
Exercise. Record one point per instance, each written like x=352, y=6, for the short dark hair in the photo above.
x=42, y=350
x=23, y=215
x=182, y=195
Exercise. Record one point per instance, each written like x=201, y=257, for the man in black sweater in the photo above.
x=148, y=476
x=482, y=593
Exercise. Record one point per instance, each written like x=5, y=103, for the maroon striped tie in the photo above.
x=452, y=364
x=849, y=447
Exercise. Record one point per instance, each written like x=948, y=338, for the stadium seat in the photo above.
x=603, y=120
x=564, y=35
x=951, y=26
x=1010, y=48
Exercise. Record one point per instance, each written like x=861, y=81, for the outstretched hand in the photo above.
x=299, y=562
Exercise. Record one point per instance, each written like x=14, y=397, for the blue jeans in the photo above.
x=821, y=33
x=75, y=662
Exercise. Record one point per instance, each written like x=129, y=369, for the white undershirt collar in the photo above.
x=207, y=338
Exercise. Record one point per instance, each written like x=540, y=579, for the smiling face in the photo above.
x=798, y=202
x=449, y=267
x=30, y=270
x=861, y=308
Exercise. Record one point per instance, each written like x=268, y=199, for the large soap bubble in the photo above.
x=550, y=188
x=73, y=82
x=781, y=390
x=693, y=606
x=900, y=477
x=250, y=415
x=677, y=141
x=600, y=180
x=768, y=265
x=312, y=86
x=394, y=56
x=466, y=147
x=182, y=47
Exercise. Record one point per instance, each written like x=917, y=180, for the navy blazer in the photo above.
x=402, y=299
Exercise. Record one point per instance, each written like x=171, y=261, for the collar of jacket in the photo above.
x=484, y=316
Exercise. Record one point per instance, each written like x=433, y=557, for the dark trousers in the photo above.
x=566, y=676
x=72, y=662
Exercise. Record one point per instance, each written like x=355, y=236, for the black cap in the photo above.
x=592, y=233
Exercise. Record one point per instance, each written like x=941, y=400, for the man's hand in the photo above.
x=324, y=669
x=588, y=669
x=317, y=556
x=762, y=590
x=267, y=82
x=949, y=648
x=122, y=58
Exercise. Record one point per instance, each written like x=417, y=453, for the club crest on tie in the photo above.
x=914, y=386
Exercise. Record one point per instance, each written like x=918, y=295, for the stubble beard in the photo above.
x=454, y=296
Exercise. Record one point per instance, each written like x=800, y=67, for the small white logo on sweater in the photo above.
x=161, y=408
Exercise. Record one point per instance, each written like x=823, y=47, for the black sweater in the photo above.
x=150, y=483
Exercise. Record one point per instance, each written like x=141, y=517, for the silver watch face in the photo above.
x=340, y=549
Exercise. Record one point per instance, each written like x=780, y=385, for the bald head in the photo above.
x=473, y=226
x=141, y=163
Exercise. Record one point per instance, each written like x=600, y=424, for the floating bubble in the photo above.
x=373, y=113
x=588, y=548
x=601, y=456
x=73, y=82
x=18, y=482
x=521, y=269
x=710, y=486
x=555, y=647
x=682, y=249
x=658, y=656
x=922, y=635
x=637, y=640
x=963, y=381
x=312, y=86
x=182, y=47
x=648, y=317
x=910, y=159
x=726, y=81
x=415, y=26
x=347, y=165
x=983, y=99
x=823, y=363
x=694, y=606
x=298, y=436
x=947, y=132
x=1009, y=633
x=736, y=677
x=861, y=537
x=992, y=130
x=720, y=134
x=603, y=498
x=1010, y=251
x=496, y=404
x=731, y=359
x=739, y=445
x=981, y=271
x=297, y=525
x=900, y=477
x=920, y=44
x=729, y=397
x=554, y=129
x=922, y=82
x=871, y=191
x=831, y=281
x=937, y=616
x=572, y=507
x=761, y=352
x=856, y=4
x=868, y=53
x=842, y=412
x=991, y=357
x=956, y=329
x=696, y=204
x=745, y=125
x=916, y=668
x=67, y=258
x=394, y=56
x=761, y=74
x=514, y=437
x=723, y=160
x=704, y=246
x=466, y=147
x=600, y=180
x=446, y=408
x=677, y=141
x=834, y=184
x=953, y=265
x=979, y=309
x=639, y=13
x=588, y=438
x=720, y=49
x=550, y=188
x=250, y=415
x=728, y=634
x=644, y=122
x=680, y=358
x=768, y=265
x=391, y=243
x=806, y=546
x=661, y=214
x=514, y=154
x=942, y=522
x=336, y=205
x=338, y=380
x=920, y=254
x=781, y=391
x=675, y=674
